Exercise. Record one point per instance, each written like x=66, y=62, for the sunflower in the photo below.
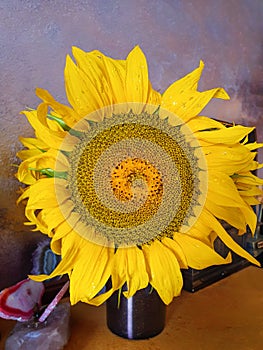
x=130, y=185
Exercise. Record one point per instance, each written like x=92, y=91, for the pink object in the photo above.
x=54, y=302
x=19, y=302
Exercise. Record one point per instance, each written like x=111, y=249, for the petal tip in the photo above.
x=201, y=64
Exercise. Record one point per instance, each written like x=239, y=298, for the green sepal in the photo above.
x=91, y=123
x=60, y=121
x=51, y=173
x=65, y=127
x=237, y=176
x=119, y=297
x=156, y=112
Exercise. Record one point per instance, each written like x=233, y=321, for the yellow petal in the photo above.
x=64, y=267
x=250, y=216
x=136, y=82
x=188, y=82
x=164, y=271
x=154, y=97
x=33, y=143
x=28, y=170
x=200, y=230
x=28, y=153
x=233, y=216
x=183, y=99
x=25, y=193
x=129, y=266
x=233, y=159
x=191, y=104
x=212, y=222
x=247, y=179
x=94, y=70
x=177, y=250
x=62, y=230
x=251, y=201
x=26, y=176
x=229, y=136
x=114, y=71
x=54, y=217
x=42, y=195
x=119, y=269
x=38, y=120
x=34, y=218
x=199, y=255
x=222, y=190
x=69, y=116
x=91, y=271
x=251, y=191
x=204, y=123
x=136, y=275
x=253, y=146
x=81, y=93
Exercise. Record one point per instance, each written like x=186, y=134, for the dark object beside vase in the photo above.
x=139, y=317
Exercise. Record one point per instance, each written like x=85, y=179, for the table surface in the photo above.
x=227, y=315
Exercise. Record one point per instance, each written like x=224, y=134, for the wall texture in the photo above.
x=36, y=35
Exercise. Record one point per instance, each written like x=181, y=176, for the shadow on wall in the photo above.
x=251, y=97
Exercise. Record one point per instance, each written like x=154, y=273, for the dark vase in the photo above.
x=139, y=317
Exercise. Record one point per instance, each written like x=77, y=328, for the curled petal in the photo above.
x=199, y=255
x=231, y=135
x=227, y=239
x=183, y=99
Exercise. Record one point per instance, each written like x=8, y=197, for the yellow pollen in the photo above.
x=128, y=171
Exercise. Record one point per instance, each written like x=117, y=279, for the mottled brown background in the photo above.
x=36, y=35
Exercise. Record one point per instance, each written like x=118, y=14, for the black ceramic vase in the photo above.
x=139, y=317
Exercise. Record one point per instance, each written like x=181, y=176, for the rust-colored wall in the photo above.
x=36, y=35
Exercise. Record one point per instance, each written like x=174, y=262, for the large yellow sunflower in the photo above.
x=132, y=185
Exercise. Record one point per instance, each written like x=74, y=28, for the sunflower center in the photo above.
x=134, y=178
x=137, y=178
